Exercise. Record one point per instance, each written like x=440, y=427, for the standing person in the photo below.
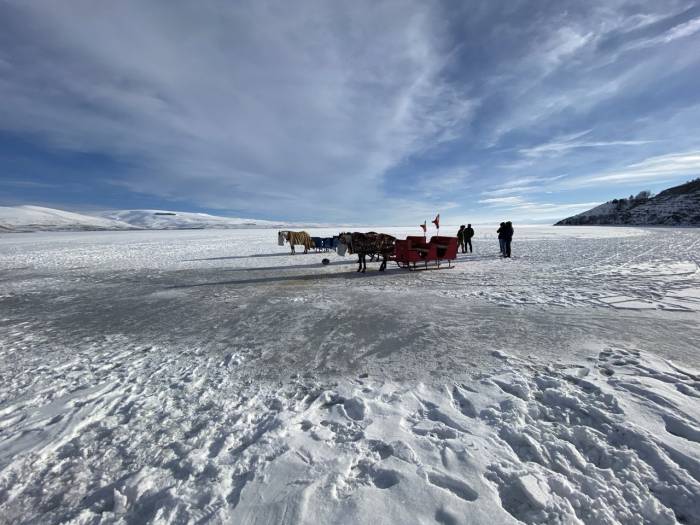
x=508, y=237
x=468, y=234
x=501, y=231
x=460, y=238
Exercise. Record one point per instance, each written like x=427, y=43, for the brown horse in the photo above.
x=371, y=243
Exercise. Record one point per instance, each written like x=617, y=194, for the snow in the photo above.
x=677, y=206
x=607, y=208
x=209, y=376
x=172, y=220
x=37, y=218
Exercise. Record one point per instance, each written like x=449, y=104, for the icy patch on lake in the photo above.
x=193, y=377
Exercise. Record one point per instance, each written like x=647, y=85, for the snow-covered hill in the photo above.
x=677, y=206
x=38, y=218
x=177, y=220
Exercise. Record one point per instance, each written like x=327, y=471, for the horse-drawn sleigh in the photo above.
x=413, y=253
x=408, y=253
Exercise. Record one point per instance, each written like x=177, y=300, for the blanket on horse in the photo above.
x=370, y=243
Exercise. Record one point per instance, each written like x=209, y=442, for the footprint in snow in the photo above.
x=384, y=478
x=457, y=487
x=461, y=403
x=379, y=477
x=682, y=429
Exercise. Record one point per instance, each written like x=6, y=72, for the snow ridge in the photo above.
x=38, y=218
x=177, y=220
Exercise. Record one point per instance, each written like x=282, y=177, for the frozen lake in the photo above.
x=196, y=376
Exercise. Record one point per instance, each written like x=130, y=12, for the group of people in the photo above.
x=464, y=237
x=505, y=236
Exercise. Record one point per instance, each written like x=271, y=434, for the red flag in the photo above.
x=436, y=221
x=424, y=226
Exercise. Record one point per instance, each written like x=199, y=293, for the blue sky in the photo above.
x=383, y=112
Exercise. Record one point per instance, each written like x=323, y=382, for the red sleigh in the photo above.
x=416, y=254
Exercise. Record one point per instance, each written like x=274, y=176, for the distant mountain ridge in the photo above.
x=676, y=206
x=178, y=220
x=38, y=218
x=15, y=219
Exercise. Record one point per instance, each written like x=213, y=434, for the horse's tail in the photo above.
x=306, y=240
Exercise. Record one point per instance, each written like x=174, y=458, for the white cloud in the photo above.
x=562, y=44
x=441, y=183
x=308, y=110
x=525, y=211
x=548, y=207
x=556, y=148
x=502, y=201
x=508, y=190
x=240, y=106
x=657, y=168
x=685, y=29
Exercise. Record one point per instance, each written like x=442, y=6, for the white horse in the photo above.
x=293, y=238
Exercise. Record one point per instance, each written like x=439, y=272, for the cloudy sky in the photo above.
x=377, y=111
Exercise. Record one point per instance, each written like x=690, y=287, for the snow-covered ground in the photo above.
x=208, y=376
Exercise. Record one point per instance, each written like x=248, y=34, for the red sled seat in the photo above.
x=446, y=247
x=416, y=250
x=412, y=250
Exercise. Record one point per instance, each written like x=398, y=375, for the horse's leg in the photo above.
x=382, y=266
x=364, y=263
x=359, y=262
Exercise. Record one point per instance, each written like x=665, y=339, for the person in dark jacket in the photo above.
x=460, y=238
x=508, y=238
x=501, y=231
x=468, y=234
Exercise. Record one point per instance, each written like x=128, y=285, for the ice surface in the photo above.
x=199, y=376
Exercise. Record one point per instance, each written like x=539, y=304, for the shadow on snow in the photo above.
x=301, y=278
x=278, y=254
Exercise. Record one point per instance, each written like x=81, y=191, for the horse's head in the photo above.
x=281, y=237
x=344, y=243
